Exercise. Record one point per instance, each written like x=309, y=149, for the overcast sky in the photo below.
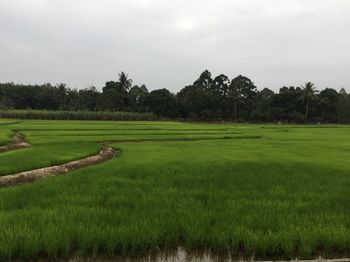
x=167, y=44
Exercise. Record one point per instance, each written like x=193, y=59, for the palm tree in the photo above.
x=234, y=93
x=309, y=94
x=124, y=82
x=62, y=94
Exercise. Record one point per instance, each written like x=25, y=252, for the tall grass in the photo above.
x=77, y=115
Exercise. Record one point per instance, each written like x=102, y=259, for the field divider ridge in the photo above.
x=105, y=154
x=18, y=143
x=183, y=139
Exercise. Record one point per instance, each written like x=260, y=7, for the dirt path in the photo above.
x=105, y=154
x=19, y=142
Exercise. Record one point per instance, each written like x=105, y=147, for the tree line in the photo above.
x=208, y=98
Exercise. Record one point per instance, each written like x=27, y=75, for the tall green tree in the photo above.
x=242, y=91
x=115, y=94
x=138, y=95
x=308, y=95
x=161, y=102
x=88, y=98
x=194, y=102
x=124, y=82
x=328, y=99
x=287, y=105
x=62, y=95
x=205, y=81
x=220, y=85
x=262, y=105
x=343, y=106
x=235, y=96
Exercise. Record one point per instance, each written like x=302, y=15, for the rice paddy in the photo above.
x=267, y=191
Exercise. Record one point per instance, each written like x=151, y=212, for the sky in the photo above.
x=167, y=44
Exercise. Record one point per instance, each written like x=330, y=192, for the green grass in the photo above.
x=5, y=132
x=4, y=137
x=278, y=191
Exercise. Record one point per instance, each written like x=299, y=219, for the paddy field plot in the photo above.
x=262, y=190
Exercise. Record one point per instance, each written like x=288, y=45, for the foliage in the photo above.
x=161, y=102
x=208, y=98
x=309, y=95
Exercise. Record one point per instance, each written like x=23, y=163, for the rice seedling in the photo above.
x=278, y=192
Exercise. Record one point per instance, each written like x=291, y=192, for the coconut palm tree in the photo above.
x=309, y=94
x=124, y=82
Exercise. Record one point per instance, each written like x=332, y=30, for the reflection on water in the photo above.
x=181, y=255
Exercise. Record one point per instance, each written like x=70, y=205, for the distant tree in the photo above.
x=235, y=95
x=116, y=95
x=161, y=102
x=308, y=95
x=247, y=87
x=266, y=94
x=5, y=100
x=88, y=98
x=343, y=106
x=328, y=99
x=342, y=92
x=62, y=95
x=111, y=100
x=205, y=81
x=287, y=105
x=72, y=102
x=194, y=102
x=262, y=105
x=124, y=82
x=47, y=98
x=207, y=98
x=242, y=91
x=110, y=85
x=138, y=95
x=220, y=85
x=213, y=87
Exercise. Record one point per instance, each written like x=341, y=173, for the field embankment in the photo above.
x=105, y=154
x=18, y=143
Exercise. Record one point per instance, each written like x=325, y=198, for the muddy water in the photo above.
x=182, y=256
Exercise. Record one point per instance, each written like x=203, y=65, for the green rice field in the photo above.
x=267, y=191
